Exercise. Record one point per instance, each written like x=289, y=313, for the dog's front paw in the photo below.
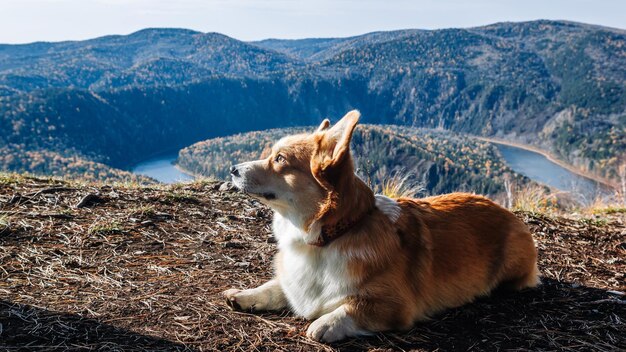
x=231, y=298
x=240, y=300
x=334, y=326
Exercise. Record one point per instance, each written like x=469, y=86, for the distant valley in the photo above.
x=435, y=161
x=113, y=101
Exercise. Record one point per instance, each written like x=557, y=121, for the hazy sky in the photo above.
x=53, y=20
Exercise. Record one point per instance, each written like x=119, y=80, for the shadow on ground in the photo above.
x=555, y=316
x=24, y=327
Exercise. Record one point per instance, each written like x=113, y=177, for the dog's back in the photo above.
x=475, y=245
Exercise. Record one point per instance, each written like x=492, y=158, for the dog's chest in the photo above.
x=314, y=280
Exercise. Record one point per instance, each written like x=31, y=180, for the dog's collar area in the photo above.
x=330, y=233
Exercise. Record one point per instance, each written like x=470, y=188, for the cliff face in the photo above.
x=141, y=268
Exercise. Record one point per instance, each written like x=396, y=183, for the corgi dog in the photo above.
x=357, y=263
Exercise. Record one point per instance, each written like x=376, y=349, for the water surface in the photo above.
x=162, y=169
x=540, y=169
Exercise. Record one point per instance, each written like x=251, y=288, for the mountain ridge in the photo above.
x=559, y=86
x=194, y=31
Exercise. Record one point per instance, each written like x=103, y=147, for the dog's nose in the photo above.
x=234, y=171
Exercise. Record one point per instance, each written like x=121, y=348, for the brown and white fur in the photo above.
x=400, y=261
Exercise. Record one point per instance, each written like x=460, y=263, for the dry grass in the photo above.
x=615, y=204
x=535, y=199
x=397, y=186
x=618, y=209
x=5, y=222
x=148, y=274
x=540, y=199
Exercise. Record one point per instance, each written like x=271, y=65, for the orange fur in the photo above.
x=441, y=251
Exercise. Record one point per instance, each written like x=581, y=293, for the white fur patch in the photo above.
x=389, y=207
x=334, y=326
x=314, y=279
x=287, y=230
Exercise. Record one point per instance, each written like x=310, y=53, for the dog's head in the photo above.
x=303, y=174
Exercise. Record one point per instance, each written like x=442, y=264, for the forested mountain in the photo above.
x=119, y=99
x=438, y=161
x=321, y=49
x=148, y=57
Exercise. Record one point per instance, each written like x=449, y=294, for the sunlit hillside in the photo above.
x=118, y=100
x=433, y=161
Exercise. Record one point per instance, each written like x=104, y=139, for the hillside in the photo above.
x=117, y=100
x=150, y=57
x=141, y=268
x=64, y=165
x=438, y=161
x=321, y=49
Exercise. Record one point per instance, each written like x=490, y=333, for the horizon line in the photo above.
x=312, y=37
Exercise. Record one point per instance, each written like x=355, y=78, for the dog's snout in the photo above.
x=234, y=171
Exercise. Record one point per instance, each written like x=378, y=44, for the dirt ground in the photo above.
x=138, y=269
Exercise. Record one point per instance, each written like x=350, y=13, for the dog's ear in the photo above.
x=323, y=126
x=334, y=145
x=331, y=164
x=341, y=133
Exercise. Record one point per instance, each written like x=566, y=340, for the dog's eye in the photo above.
x=280, y=159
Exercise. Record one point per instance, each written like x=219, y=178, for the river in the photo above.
x=531, y=164
x=162, y=169
x=540, y=169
